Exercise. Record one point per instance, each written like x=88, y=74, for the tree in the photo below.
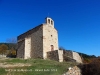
x=3, y=48
x=12, y=53
x=92, y=68
x=0, y=50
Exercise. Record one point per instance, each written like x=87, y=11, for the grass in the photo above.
x=38, y=67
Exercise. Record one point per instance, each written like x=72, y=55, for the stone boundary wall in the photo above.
x=67, y=55
x=60, y=52
x=53, y=55
x=73, y=71
x=71, y=56
x=77, y=57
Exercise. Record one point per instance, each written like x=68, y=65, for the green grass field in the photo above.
x=38, y=67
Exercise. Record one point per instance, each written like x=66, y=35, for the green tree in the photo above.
x=3, y=49
x=13, y=51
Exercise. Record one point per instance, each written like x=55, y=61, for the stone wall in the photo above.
x=53, y=55
x=22, y=36
x=21, y=49
x=50, y=37
x=67, y=55
x=24, y=48
x=73, y=71
x=60, y=53
x=64, y=55
x=37, y=43
x=27, y=47
x=77, y=57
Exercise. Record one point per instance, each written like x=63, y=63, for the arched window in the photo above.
x=49, y=21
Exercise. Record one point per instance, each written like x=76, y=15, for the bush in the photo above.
x=93, y=68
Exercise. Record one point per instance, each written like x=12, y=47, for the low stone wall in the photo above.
x=73, y=71
x=67, y=55
x=53, y=55
x=71, y=56
x=60, y=52
x=77, y=57
x=64, y=55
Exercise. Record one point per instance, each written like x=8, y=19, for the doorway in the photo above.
x=52, y=48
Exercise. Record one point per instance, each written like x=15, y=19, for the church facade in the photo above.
x=36, y=42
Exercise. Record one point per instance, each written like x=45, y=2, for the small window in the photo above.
x=49, y=21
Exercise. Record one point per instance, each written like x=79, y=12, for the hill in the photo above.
x=10, y=45
x=91, y=68
x=33, y=67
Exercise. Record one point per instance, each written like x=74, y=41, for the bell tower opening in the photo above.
x=49, y=21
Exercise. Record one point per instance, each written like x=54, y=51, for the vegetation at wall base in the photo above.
x=92, y=68
x=8, y=49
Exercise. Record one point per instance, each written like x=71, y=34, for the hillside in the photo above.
x=10, y=45
x=15, y=66
x=85, y=57
x=33, y=67
x=91, y=68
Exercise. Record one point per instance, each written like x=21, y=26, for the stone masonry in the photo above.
x=42, y=42
x=53, y=55
x=25, y=43
x=69, y=55
x=64, y=55
x=36, y=42
x=77, y=57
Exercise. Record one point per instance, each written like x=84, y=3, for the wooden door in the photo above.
x=52, y=48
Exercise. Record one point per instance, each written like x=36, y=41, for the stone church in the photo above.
x=41, y=42
x=36, y=42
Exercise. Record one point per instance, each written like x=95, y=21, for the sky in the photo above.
x=77, y=21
